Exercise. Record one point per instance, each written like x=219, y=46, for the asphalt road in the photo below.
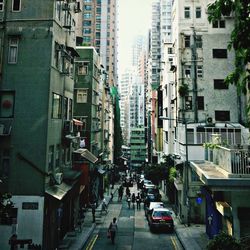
x=133, y=231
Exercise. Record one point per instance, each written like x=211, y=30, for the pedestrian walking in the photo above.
x=120, y=193
x=127, y=191
x=138, y=201
x=129, y=200
x=113, y=229
x=111, y=196
x=104, y=206
x=133, y=200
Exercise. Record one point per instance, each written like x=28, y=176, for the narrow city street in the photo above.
x=133, y=231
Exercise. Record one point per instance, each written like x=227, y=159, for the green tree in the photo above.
x=155, y=172
x=118, y=140
x=223, y=241
x=240, y=38
x=172, y=173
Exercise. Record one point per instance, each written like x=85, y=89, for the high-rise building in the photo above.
x=100, y=31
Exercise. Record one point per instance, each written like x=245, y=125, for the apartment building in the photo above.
x=36, y=117
x=99, y=30
x=137, y=147
x=198, y=102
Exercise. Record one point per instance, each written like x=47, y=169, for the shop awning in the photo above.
x=77, y=122
x=85, y=153
x=58, y=191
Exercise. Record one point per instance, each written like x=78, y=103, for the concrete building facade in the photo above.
x=198, y=103
x=36, y=114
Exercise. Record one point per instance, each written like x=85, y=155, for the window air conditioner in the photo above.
x=59, y=178
x=209, y=120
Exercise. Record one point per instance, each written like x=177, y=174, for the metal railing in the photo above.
x=233, y=160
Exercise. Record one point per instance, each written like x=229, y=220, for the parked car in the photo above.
x=153, y=190
x=161, y=218
x=152, y=205
x=150, y=198
x=148, y=185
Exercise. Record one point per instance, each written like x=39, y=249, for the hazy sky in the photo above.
x=134, y=18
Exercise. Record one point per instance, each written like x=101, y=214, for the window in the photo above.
x=98, y=35
x=16, y=5
x=82, y=96
x=7, y=99
x=87, y=7
x=66, y=102
x=1, y=5
x=87, y=15
x=219, y=24
x=198, y=41
x=56, y=106
x=51, y=158
x=83, y=68
x=86, y=39
x=170, y=50
x=86, y=23
x=98, y=26
x=219, y=53
x=222, y=116
x=198, y=12
x=58, y=10
x=188, y=102
x=98, y=10
x=200, y=71
x=187, y=70
x=200, y=102
x=57, y=55
x=190, y=135
x=13, y=50
x=86, y=31
x=187, y=12
x=187, y=41
x=220, y=84
x=97, y=43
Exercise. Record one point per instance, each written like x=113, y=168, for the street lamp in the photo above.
x=186, y=186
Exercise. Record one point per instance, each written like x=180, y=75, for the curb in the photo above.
x=91, y=229
x=180, y=240
x=86, y=237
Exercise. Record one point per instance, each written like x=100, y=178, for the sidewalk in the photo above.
x=191, y=237
x=77, y=239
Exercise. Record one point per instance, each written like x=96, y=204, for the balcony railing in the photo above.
x=233, y=160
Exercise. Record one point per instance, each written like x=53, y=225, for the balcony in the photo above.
x=235, y=160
